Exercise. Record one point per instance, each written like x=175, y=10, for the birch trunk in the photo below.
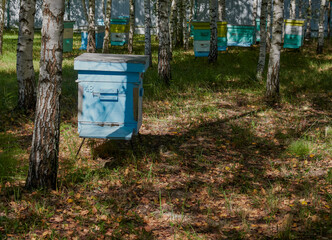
x=147, y=29
x=309, y=17
x=185, y=26
x=2, y=22
x=222, y=10
x=272, y=83
x=262, y=44
x=172, y=25
x=191, y=14
x=292, y=9
x=24, y=58
x=107, y=19
x=300, y=9
x=131, y=26
x=164, y=67
x=213, y=54
x=85, y=11
x=157, y=21
x=254, y=11
x=45, y=141
x=268, y=27
x=91, y=47
x=329, y=20
x=320, y=44
x=179, y=25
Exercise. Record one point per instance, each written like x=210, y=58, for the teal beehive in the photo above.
x=68, y=33
x=110, y=94
x=240, y=36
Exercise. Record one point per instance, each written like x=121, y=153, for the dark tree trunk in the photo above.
x=272, y=83
x=164, y=66
x=262, y=44
x=213, y=54
x=45, y=141
x=24, y=64
x=320, y=44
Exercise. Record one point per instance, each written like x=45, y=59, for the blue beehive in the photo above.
x=110, y=94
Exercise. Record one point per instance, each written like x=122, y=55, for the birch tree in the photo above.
x=309, y=17
x=329, y=20
x=213, y=54
x=320, y=44
x=24, y=58
x=292, y=9
x=179, y=26
x=107, y=19
x=268, y=27
x=85, y=10
x=147, y=29
x=272, y=83
x=131, y=25
x=164, y=66
x=222, y=10
x=173, y=24
x=191, y=14
x=45, y=141
x=2, y=22
x=262, y=44
x=185, y=25
x=91, y=46
x=255, y=3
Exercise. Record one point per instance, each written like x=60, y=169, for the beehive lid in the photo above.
x=111, y=62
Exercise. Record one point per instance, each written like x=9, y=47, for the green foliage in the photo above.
x=301, y=148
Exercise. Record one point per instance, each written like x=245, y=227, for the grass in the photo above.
x=213, y=162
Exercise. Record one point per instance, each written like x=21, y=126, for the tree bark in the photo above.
x=262, y=44
x=309, y=17
x=213, y=54
x=164, y=66
x=85, y=10
x=272, y=83
x=45, y=141
x=268, y=27
x=255, y=5
x=222, y=10
x=107, y=19
x=320, y=45
x=131, y=25
x=91, y=46
x=179, y=26
x=191, y=14
x=185, y=25
x=147, y=29
x=24, y=64
x=172, y=25
x=329, y=20
x=292, y=9
x=2, y=22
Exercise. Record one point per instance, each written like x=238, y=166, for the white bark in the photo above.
x=185, y=26
x=255, y=5
x=213, y=54
x=164, y=66
x=222, y=10
x=2, y=22
x=45, y=141
x=191, y=14
x=272, y=83
x=172, y=25
x=322, y=11
x=24, y=64
x=268, y=27
x=131, y=25
x=147, y=28
x=292, y=9
x=91, y=46
x=262, y=44
x=309, y=17
x=107, y=19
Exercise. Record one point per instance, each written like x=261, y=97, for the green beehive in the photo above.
x=68, y=36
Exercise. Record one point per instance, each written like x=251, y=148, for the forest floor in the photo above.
x=213, y=161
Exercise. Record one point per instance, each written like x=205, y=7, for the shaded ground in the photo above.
x=212, y=163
